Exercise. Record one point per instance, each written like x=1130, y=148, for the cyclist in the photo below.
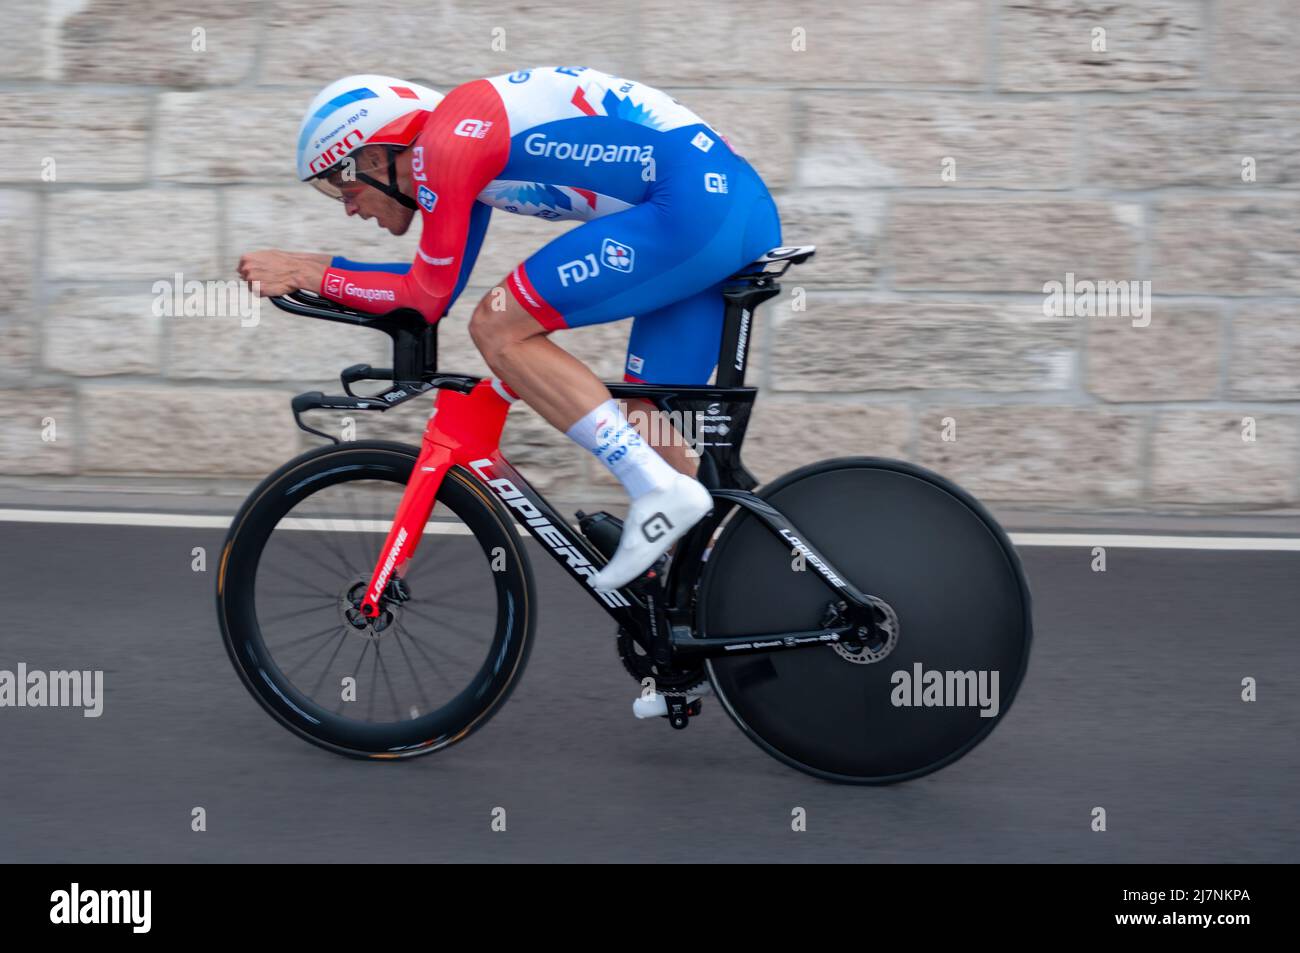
x=669, y=212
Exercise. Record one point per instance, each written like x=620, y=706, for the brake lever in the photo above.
x=363, y=372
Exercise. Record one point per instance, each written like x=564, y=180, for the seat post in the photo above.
x=742, y=299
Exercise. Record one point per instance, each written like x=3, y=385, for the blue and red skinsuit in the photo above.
x=669, y=211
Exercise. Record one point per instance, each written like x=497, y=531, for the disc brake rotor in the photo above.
x=355, y=622
x=864, y=653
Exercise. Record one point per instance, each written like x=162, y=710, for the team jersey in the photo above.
x=559, y=143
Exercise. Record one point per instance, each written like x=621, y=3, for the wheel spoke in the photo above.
x=437, y=645
x=334, y=521
x=441, y=623
x=311, y=586
x=285, y=539
x=369, y=555
x=356, y=669
x=294, y=613
x=410, y=667
x=371, y=685
x=397, y=712
x=314, y=652
x=343, y=637
x=313, y=635
x=336, y=545
x=415, y=643
x=426, y=603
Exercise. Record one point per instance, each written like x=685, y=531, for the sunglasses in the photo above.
x=346, y=179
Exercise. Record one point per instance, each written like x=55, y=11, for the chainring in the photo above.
x=640, y=666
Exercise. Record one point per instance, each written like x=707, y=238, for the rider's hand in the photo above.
x=280, y=272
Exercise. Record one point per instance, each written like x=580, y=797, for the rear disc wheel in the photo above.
x=941, y=563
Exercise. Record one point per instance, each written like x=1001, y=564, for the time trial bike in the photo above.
x=861, y=619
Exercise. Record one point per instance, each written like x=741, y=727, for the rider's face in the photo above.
x=370, y=203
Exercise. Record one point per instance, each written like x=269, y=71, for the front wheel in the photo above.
x=457, y=619
x=929, y=550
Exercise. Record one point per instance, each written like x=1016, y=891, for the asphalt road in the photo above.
x=1132, y=703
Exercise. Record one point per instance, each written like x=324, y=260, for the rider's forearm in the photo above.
x=378, y=291
x=427, y=286
x=310, y=272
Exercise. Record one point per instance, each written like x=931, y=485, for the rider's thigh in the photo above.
x=604, y=270
x=697, y=227
x=677, y=344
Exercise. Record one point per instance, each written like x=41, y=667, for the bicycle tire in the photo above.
x=916, y=540
x=490, y=526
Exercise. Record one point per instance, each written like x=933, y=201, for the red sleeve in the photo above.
x=463, y=147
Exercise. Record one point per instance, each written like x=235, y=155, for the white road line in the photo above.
x=1136, y=541
x=201, y=521
x=112, y=518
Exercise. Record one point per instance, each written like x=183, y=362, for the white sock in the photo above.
x=608, y=435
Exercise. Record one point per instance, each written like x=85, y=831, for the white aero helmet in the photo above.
x=357, y=111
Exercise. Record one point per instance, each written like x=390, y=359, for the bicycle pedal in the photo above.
x=650, y=579
x=676, y=708
x=681, y=711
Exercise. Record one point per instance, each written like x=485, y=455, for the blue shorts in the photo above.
x=662, y=262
